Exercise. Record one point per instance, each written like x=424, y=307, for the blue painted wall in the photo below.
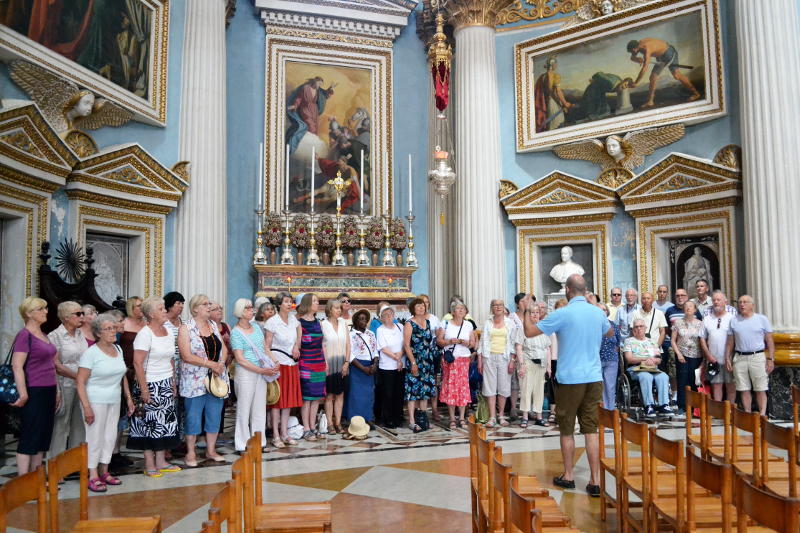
x=702, y=140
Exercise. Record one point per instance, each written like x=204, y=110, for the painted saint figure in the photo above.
x=551, y=105
x=665, y=56
x=306, y=104
x=594, y=103
x=697, y=268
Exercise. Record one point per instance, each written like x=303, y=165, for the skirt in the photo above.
x=455, y=382
x=312, y=379
x=289, y=381
x=36, y=420
x=158, y=429
x=334, y=384
x=361, y=393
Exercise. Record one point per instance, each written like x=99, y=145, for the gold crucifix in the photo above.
x=339, y=185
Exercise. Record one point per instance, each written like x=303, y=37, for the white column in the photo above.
x=769, y=56
x=478, y=248
x=201, y=222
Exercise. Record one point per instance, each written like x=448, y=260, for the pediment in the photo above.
x=29, y=145
x=559, y=194
x=128, y=171
x=682, y=178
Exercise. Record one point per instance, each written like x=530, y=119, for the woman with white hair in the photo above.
x=456, y=337
x=253, y=366
x=154, y=428
x=495, y=362
x=70, y=344
x=390, y=368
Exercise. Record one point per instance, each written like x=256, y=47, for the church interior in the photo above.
x=375, y=154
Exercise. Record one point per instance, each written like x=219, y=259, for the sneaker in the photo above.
x=663, y=409
x=650, y=411
x=680, y=412
x=559, y=481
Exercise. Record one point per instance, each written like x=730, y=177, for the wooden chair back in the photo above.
x=22, y=489
x=695, y=400
x=796, y=408
x=253, y=451
x=634, y=433
x=209, y=527
x=785, y=439
x=718, y=410
x=475, y=431
x=485, y=455
x=713, y=477
x=750, y=423
x=766, y=508
x=519, y=511
x=226, y=506
x=71, y=461
x=668, y=452
x=243, y=468
x=501, y=474
x=608, y=419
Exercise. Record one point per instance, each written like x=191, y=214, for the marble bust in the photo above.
x=565, y=268
x=606, y=7
x=79, y=106
x=614, y=149
x=696, y=268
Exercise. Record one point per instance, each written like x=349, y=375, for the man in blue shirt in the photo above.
x=580, y=328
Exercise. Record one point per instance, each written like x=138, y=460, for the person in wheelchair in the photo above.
x=640, y=350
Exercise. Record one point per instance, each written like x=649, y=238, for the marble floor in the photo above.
x=392, y=481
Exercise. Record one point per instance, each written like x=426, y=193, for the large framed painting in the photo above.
x=331, y=102
x=656, y=64
x=115, y=48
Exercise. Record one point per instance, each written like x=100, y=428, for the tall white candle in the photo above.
x=410, y=188
x=313, y=158
x=287, y=177
x=361, y=182
x=261, y=176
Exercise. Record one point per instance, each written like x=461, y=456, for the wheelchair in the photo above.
x=629, y=397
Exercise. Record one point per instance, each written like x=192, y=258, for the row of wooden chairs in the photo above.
x=42, y=488
x=240, y=504
x=503, y=501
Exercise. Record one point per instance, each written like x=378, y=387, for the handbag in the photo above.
x=273, y=392
x=447, y=353
x=8, y=385
x=421, y=419
x=138, y=403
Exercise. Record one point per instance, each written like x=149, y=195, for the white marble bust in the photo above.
x=565, y=268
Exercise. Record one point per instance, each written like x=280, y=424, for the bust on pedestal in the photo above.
x=565, y=268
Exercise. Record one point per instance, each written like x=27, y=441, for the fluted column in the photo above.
x=478, y=249
x=769, y=54
x=201, y=222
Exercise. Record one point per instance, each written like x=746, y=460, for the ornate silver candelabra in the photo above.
x=411, y=256
x=287, y=257
x=363, y=255
x=260, y=258
x=313, y=258
x=388, y=255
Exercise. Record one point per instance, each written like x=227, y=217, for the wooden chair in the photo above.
x=20, y=490
x=746, y=459
x=667, y=493
x=796, y=408
x=537, y=525
x=209, y=527
x=475, y=431
x=520, y=514
x=609, y=419
x=634, y=433
x=780, y=478
x=765, y=508
x=718, y=446
x=73, y=461
x=306, y=517
x=226, y=506
x=695, y=400
x=713, y=510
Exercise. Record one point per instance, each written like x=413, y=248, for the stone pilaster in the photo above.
x=201, y=222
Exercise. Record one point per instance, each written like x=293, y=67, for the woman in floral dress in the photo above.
x=420, y=381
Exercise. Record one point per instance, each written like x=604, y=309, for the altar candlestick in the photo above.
x=287, y=177
x=260, y=177
x=361, y=182
x=313, y=157
x=410, y=189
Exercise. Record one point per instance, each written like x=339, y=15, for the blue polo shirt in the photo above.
x=579, y=327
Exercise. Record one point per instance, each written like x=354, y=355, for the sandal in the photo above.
x=541, y=422
x=504, y=421
x=290, y=442
x=170, y=468
x=97, y=485
x=415, y=428
x=153, y=473
x=309, y=436
x=278, y=443
x=462, y=424
x=108, y=479
x=217, y=458
x=524, y=423
x=452, y=424
x=492, y=422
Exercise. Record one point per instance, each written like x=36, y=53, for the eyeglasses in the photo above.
x=78, y=313
x=248, y=307
x=109, y=330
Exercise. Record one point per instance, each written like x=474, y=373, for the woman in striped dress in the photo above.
x=311, y=363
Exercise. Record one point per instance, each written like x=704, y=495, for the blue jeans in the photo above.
x=646, y=380
x=610, y=371
x=685, y=376
x=203, y=411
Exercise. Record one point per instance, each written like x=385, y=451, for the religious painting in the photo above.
x=652, y=65
x=694, y=259
x=115, y=48
x=330, y=104
x=110, y=264
x=328, y=118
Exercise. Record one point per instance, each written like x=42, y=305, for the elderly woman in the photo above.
x=70, y=345
x=389, y=341
x=100, y=383
x=609, y=360
x=264, y=312
x=89, y=314
x=437, y=355
x=495, y=363
x=155, y=428
x=639, y=349
x=282, y=340
x=311, y=363
x=203, y=354
x=253, y=367
x=456, y=336
x=347, y=304
x=133, y=323
x=533, y=353
x=687, y=333
x=337, y=352
x=420, y=382
x=33, y=362
x=362, y=367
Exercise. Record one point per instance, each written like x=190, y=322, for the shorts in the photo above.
x=668, y=59
x=496, y=379
x=334, y=384
x=723, y=376
x=202, y=411
x=750, y=372
x=578, y=400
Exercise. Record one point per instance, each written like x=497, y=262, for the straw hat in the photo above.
x=273, y=392
x=216, y=386
x=358, y=427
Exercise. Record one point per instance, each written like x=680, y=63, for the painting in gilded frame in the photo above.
x=116, y=48
x=652, y=65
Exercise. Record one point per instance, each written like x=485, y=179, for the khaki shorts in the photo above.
x=750, y=372
x=496, y=379
x=578, y=400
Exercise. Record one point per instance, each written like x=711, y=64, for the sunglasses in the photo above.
x=616, y=294
x=345, y=301
x=78, y=313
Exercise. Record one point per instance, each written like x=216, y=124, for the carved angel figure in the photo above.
x=599, y=8
x=63, y=103
x=622, y=152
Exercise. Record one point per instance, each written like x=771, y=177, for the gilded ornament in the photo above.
x=398, y=239
x=273, y=227
x=593, y=9
x=507, y=187
x=729, y=156
x=374, y=234
x=18, y=139
x=559, y=197
x=300, y=233
x=465, y=13
x=615, y=177
x=128, y=175
x=676, y=183
x=183, y=170
x=325, y=233
x=542, y=9
x=81, y=143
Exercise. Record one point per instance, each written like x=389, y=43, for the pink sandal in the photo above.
x=97, y=485
x=108, y=479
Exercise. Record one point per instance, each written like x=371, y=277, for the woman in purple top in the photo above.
x=35, y=375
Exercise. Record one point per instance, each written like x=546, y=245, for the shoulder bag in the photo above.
x=447, y=353
x=273, y=387
x=8, y=385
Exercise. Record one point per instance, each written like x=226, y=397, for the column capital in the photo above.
x=463, y=13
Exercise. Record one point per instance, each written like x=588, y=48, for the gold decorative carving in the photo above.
x=182, y=170
x=680, y=208
x=13, y=176
x=129, y=175
x=594, y=9
x=556, y=221
x=102, y=199
x=676, y=183
x=81, y=143
x=18, y=139
x=39, y=222
x=507, y=187
x=136, y=157
x=341, y=37
x=463, y=13
x=729, y=156
x=542, y=9
x=559, y=197
x=615, y=177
